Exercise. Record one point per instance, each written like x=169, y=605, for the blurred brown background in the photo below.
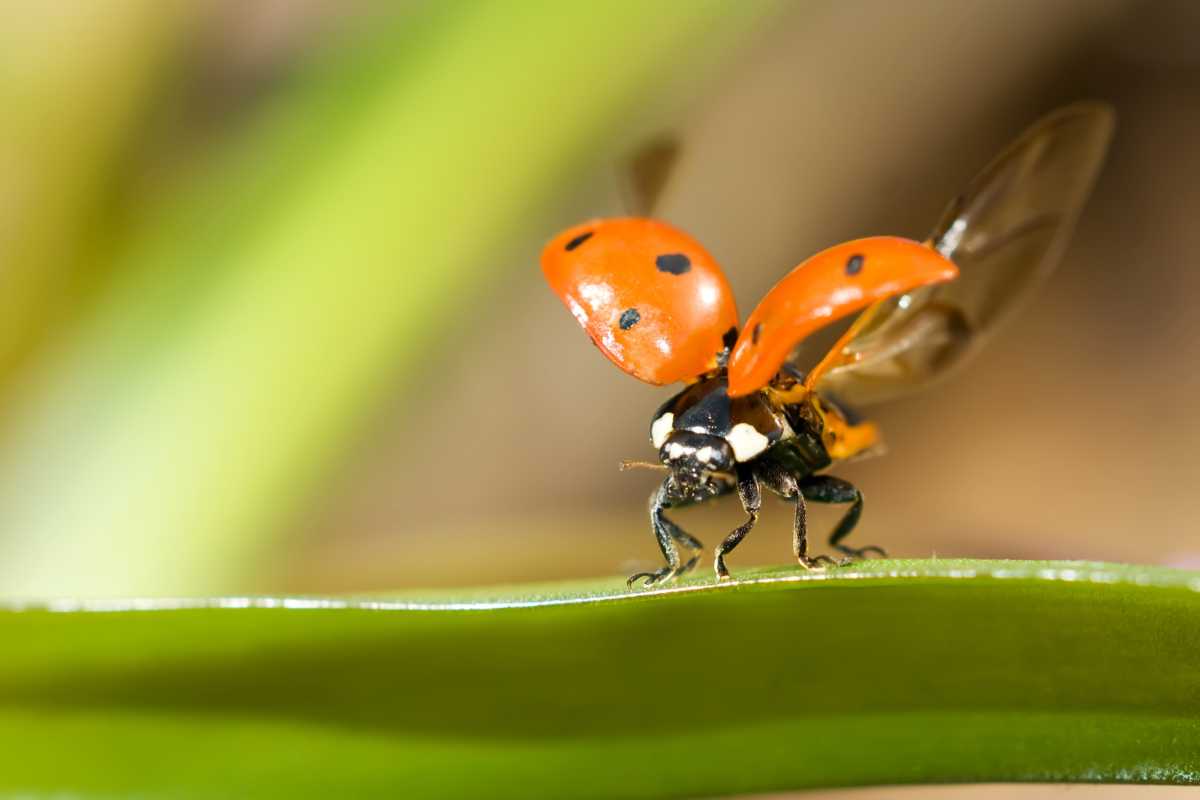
x=1073, y=436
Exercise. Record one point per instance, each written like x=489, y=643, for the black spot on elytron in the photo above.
x=729, y=338
x=754, y=334
x=578, y=240
x=629, y=318
x=674, y=263
x=854, y=264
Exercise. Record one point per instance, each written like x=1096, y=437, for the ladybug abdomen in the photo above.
x=749, y=424
x=802, y=454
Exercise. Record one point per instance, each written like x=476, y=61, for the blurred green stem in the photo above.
x=257, y=324
x=74, y=79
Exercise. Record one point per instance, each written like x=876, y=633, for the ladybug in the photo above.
x=754, y=411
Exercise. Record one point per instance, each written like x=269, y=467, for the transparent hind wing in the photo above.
x=646, y=173
x=1006, y=233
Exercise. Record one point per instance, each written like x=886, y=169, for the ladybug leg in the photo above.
x=669, y=535
x=684, y=539
x=828, y=489
x=692, y=543
x=747, y=488
x=787, y=486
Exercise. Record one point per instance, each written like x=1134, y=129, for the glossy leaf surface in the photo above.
x=889, y=672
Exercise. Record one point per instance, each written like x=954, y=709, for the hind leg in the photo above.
x=828, y=489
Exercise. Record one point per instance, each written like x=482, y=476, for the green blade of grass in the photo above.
x=73, y=80
x=888, y=672
x=255, y=329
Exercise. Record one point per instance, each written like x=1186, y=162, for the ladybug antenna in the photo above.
x=628, y=464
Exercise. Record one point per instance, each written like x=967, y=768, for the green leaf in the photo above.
x=884, y=672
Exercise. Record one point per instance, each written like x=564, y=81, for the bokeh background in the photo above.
x=271, y=317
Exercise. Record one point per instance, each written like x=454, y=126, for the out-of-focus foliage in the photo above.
x=251, y=312
x=75, y=80
x=887, y=673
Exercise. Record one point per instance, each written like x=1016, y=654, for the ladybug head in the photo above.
x=697, y=460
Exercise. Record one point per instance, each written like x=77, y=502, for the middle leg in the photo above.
x=747, y=488
x=785, y=484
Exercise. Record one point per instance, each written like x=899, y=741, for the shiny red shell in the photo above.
x=832, y=284
x=651, y=298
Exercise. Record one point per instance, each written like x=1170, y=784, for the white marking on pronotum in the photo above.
x=746, y=441
x=660, y=429
x=676, y=451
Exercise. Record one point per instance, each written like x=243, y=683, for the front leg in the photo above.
x=747, y=487
x=669, y=536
